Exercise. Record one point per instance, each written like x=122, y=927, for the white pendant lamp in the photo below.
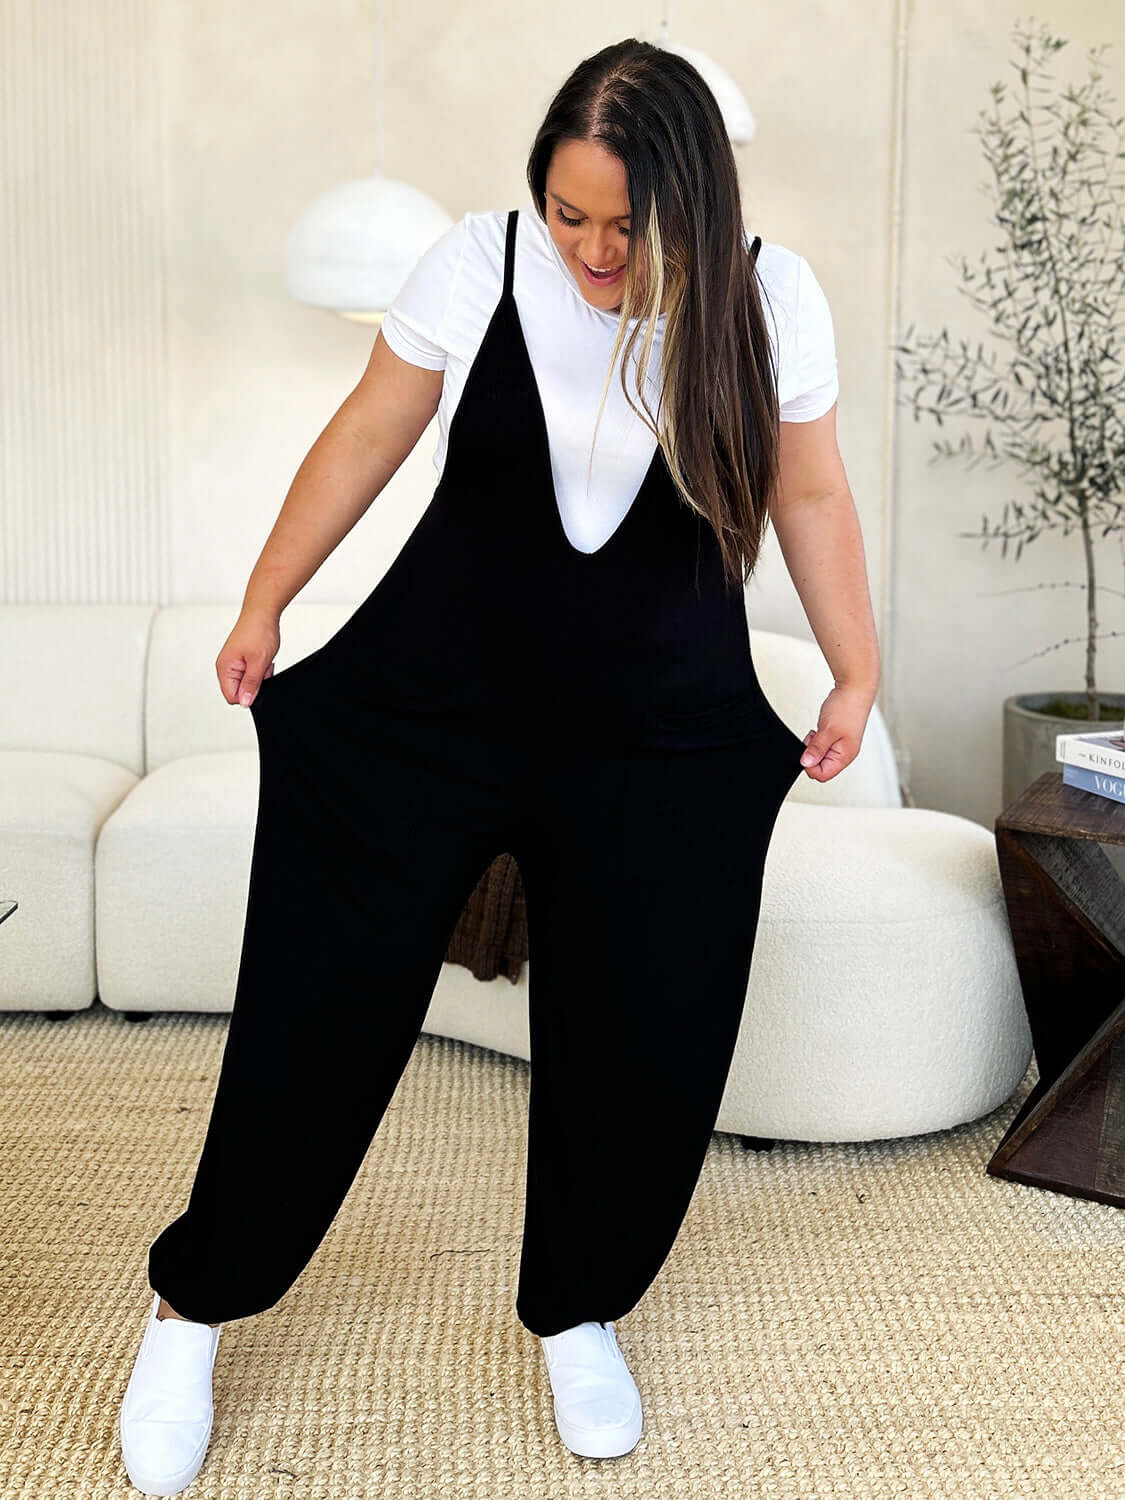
x=352, y=249
x=736, y=112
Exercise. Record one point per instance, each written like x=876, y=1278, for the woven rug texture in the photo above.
x=855, y=1320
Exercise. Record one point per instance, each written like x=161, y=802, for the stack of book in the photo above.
x=1095, y=762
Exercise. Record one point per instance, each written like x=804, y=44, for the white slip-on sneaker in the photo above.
x=168, y=1409
x=597, y=1403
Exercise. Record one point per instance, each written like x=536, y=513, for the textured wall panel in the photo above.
x=83, y=410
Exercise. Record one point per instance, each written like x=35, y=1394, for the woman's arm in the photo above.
x=353, y=458
x=814, y=516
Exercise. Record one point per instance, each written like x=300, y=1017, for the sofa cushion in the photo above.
x=171, y=875
x=72, y=679
x=51, y=809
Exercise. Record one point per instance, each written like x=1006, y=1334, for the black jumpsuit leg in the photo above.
x=371, y=834
x=643, y=883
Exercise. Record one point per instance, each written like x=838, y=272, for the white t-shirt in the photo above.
x=439, y=317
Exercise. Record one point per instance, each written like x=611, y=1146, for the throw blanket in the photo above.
x=491, y=933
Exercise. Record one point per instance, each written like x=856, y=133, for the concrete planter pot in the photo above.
x=1029, y=742
x=1030, y=729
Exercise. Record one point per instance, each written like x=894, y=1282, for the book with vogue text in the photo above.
x=1094, y=762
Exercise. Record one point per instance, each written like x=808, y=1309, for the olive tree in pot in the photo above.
x=1057, y=400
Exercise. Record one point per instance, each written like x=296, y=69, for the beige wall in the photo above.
x=159, y=388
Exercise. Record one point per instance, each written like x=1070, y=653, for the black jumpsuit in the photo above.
x=598, y=716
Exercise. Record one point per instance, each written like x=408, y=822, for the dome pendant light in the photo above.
x=736, y=113
x=354, y=246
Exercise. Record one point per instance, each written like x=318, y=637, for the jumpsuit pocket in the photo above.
x=296, y=669
x=796, y=745
x=265, y=686
x=794, y=739
x=744, y=717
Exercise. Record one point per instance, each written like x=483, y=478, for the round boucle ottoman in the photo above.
x=884, y=999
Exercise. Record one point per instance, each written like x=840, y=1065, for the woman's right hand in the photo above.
x=248, y=656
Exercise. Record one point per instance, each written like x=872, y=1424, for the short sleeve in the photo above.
x=413, y=324
x=815, y=381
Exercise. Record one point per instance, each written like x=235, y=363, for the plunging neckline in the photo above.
x=545, y=452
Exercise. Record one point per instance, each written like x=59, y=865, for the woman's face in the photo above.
x=588, y=216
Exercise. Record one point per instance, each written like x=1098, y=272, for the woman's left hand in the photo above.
x=835, y=741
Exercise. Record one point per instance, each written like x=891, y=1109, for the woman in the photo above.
x=556, y=665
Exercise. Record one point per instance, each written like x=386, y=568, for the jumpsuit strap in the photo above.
x=510, y=251
x=755, y=246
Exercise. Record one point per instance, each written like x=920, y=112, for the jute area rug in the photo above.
x=864, y=1321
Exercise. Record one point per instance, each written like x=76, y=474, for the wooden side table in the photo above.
x=1066, y=910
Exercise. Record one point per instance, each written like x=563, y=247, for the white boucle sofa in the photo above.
x=883, y=1000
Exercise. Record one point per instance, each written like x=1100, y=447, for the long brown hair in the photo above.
x=653, y=111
